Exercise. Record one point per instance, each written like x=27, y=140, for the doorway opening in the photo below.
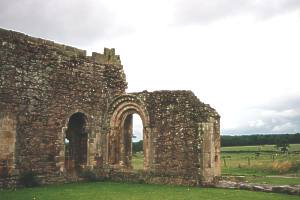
x=137, y=143
x=76, y=143
x=128, y=145
x=128, y=138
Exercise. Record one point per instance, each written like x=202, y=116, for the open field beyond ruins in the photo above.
x=261, y=164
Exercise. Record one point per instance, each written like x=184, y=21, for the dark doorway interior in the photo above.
x=76, y=143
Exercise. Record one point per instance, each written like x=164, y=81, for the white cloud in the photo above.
x=245, y=67
x=198, y=11
x=69, y=21
x=289, y=113
x=287, y=127
x=275, y=116
x=256, y=123
x=137, y=128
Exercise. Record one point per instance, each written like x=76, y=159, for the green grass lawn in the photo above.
x=124, y=191
x=293, y=147
x=138, y=161
x=242, y=160
x=259, y=159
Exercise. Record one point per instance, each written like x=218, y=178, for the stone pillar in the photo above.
x=7, y=144
x=148, y=148
x=91, y=148
x=206, y=131
x=61, y=159
x=127, y=141
x=122, y=154
x=217, y=143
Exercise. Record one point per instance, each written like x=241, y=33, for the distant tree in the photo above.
x=283, y=145
x=244, y=140
x=137, y=146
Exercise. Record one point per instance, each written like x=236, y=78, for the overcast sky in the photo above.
x=242, y=56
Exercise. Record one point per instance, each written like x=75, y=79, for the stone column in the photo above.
x=7, y=144
x=206, y=130
x=147, y=145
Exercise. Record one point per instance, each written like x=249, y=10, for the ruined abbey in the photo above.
x=52, y=93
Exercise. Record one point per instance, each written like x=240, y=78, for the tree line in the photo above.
x=251, y=140
x=245, y=140
x=137, y=146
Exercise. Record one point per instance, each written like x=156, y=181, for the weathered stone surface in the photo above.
x=294, y=190
x=42, y=84
x=62, y=112
x=181, y=134
x=286, y=189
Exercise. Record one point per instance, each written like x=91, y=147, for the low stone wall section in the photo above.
x=287, y=189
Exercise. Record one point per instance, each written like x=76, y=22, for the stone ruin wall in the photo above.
x=185, y=134
x=181, y=135
x=42, y=84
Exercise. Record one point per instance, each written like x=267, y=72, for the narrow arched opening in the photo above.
x=128, y=127
x=76, y=143
x=137, y=143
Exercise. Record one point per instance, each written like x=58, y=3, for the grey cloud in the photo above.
x=284, y=103
x=72, y=21
x=200, y=11
x=281, y=116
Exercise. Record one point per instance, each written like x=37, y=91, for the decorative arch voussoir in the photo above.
x=121, y=105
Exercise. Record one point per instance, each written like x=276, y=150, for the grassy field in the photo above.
x=263, y=164
x=138, y=161
x=260, y=160
x=258, y=163
x=124, y=191
x=293, y=147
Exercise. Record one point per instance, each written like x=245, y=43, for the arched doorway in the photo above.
x=138, y=147
x=76, y=143
x=119, y=137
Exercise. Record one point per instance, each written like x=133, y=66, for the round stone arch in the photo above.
x=75, y=151
x=119, y=131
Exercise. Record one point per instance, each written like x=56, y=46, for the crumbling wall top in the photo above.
x=183, y=101
x=108, y=57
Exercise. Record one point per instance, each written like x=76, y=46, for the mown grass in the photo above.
x=244, y=161
x=293, y=147
x=126, y=191
x=258, y=162
x=138, y=161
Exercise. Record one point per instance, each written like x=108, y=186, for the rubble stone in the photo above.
x=286, y=189
x=63, y=112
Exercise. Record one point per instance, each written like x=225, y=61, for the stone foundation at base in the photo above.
x=286, y=189
x=147, y=177
x=115, y=176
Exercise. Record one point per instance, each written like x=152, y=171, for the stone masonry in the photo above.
x=63, y=112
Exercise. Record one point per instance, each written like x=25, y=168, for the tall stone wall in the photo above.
x=42, y=84
x=184, y=132
x=62, y=111
x=180, y=134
